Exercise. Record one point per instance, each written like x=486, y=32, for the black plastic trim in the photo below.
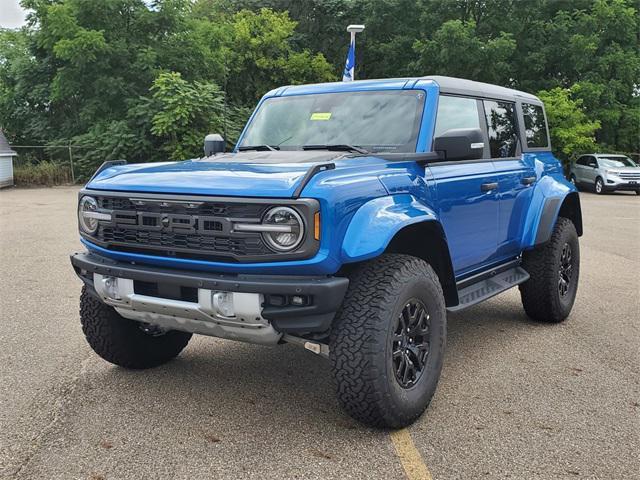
x=315, y=169
x=547, y=220
x=488, y=273
x=327, y=292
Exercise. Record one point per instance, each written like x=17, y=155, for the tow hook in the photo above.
x=318, y=348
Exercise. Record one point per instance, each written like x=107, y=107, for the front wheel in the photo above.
x=599, y=186
x=124, y=342
x=388, y=340
x=554, y=269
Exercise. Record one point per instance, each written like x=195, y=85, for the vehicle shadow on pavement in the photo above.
x=224, y=380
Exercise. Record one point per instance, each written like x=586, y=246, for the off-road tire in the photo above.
x=363, y=332
x=595, y=186
x=121, y=341
x=540, y=294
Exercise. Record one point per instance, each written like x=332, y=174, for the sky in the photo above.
x=11, y=14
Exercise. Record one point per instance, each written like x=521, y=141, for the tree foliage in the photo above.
x=571, y=130
x=146, y=80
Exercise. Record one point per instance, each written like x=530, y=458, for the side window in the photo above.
x=502, y=128
x=582, y=161
x=591, y=161
x=535, y=127
x=456, y=112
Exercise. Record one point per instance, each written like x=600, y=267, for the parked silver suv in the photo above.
x=605, y=173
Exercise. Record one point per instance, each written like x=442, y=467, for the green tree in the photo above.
x=572, y=133
x=81, y=71
x=457, y=51
x=261, y=56
x=184, y=113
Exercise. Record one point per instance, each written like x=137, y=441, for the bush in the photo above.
x=42, y=174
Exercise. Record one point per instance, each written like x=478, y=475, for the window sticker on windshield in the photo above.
x=321, y=116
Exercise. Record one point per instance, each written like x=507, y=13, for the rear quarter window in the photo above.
x=535, y=126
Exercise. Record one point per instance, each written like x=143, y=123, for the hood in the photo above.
x=247, y=174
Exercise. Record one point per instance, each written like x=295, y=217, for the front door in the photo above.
x=466, y=191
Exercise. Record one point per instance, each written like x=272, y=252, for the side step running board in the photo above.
x=488, y=287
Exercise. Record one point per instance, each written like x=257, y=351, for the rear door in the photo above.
x=466, y=190
x=516, y=172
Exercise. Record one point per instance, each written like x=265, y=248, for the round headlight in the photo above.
x=88, y=223
x=287, y=229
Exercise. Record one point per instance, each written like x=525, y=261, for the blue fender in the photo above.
x=548, y=199
x=377, y=221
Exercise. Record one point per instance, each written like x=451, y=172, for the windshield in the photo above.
x=382, y=121
x=616, y=162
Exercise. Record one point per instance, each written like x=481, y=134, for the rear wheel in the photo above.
x=554, y=269
x=388, y=340
x=124, y=342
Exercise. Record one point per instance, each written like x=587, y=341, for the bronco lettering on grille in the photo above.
x=168, y=222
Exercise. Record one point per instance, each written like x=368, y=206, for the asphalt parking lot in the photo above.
x=516, y=399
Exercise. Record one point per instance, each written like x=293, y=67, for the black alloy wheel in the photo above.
x=565, y=270
x=410, y=343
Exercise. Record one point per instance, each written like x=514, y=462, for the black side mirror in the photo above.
x=460, y=144
x=214, y=143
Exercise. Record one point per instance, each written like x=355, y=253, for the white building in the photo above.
x=6, y=162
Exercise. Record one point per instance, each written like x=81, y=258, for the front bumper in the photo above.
x=323, y=295
x=615, y=183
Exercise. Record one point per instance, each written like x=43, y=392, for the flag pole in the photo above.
x=353, y=29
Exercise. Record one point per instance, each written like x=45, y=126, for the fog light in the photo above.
x=111, y=287
x=298, y=300
x=223, y=303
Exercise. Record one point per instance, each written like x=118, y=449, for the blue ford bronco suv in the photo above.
x=349, y=218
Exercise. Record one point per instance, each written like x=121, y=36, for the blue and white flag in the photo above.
x=350, y=65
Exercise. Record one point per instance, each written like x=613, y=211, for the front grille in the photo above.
x=629, y=176
x=175, y=244
x=183, y=229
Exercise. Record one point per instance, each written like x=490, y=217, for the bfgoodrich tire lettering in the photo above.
x=554, y=270
x=362, y=341
x=121, y=341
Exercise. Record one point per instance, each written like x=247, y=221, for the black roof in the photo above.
x=4, y=145
x=461, y=86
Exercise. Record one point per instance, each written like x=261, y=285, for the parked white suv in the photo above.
x=605, y=173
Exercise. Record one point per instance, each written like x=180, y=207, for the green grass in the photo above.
x=41, y=174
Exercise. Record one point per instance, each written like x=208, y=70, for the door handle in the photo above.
x=487, y=187
x=528, y=180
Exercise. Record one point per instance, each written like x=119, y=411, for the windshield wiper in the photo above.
x=258, y=147
x=338, y=147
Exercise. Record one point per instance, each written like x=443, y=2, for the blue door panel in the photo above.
x=514, y=198
x=468, y=215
